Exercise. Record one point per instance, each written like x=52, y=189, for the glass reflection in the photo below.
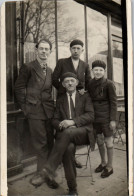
x=39, y=23
x=71, y=26
x=97, y=36
x=118, y=68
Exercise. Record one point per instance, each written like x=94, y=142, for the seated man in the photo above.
x=73, y=121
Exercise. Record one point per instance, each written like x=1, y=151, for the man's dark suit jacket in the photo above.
x=84, y=113
x=66, y=65
x=33, y=91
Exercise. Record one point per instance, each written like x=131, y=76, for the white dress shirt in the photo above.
x=75, y=63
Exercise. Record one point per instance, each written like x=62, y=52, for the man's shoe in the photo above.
x=52, y=184
x=106, y=173
x=37, y=180
x=100, y=168
x=49, y=179
x=73, y=193
x=78, y=164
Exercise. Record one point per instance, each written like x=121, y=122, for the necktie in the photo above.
x=44, y=68
x=72, y=109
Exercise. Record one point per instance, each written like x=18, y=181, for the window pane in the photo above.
x=118, y=68
x=39, y=23
x=70, y=26
x=116, y=28
x=117, y=47
x=97, y=36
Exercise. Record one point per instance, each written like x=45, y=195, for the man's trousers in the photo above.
x=42, y=137
x=63, y=151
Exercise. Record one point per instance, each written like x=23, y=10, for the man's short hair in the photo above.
x=44, y=41
x=76, y=42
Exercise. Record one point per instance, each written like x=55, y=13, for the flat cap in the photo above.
x=68, y=74
x=76, y=42
x=99, y=63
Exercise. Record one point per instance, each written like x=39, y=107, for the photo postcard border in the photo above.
x=3, y=127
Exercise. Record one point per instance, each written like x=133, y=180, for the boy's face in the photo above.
x=98, y=72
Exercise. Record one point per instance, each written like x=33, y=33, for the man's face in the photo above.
x=43, y=50
x=98, y=72
x=76, y=51
x=70, y=84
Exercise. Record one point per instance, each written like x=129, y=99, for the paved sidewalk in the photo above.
x=115, y=185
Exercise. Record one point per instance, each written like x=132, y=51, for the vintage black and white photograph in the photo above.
x=67, y=98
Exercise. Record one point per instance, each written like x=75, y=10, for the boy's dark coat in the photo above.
x=104, y=99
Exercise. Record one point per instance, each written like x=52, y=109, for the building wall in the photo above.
x=61, y=22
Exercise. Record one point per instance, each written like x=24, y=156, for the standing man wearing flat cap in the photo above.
x=33, y=92
x=73, y=123
x=75, y=65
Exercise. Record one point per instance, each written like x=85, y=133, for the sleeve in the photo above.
x=56, y=75
x=112, y=101
x=87, y=77
x=57, y=116
x=20, y=85
x=88, y=116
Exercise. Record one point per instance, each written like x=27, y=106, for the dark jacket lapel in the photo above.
x=66, y=106
x=71, y=64
x=80, y=68
x=96, y=86
x=77, y=99
x=47, y=77
x=38, y=69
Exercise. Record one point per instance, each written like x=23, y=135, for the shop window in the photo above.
x=71, y=25
x=117, y=47
x=35, y=21
x=97, y=35
x=38, y=23
x=118, y=68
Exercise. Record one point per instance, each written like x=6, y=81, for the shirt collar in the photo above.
x=73, y=94
x=42, y=63
x=75, y=60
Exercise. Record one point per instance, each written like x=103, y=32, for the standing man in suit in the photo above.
x=75, y=65
x=73, y=123
x=33, y=92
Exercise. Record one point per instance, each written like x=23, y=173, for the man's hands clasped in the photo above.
x=66, y=123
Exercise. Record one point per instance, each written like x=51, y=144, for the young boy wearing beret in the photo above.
x=103, y=94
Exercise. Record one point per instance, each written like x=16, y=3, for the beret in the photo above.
x=68, y=74
x=76, y=42
x=99, y=63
